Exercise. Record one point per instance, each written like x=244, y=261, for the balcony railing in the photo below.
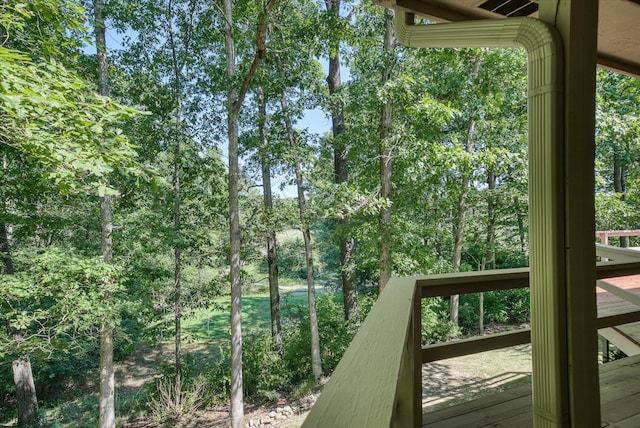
x=378, y=382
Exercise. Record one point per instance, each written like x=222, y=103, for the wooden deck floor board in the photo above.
x=632, y=422
x=622, y=409
x=610, y=304
x=479, y=404
x=619, y=391
x=619, y=383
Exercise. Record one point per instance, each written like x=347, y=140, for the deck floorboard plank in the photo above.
x=632, y=422
x=619, y=396
x=622, y=409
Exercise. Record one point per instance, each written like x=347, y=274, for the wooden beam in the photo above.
x=457, y=348
x=615, y=269
x=603, y=233
x=618, y=319
x=616, y=253
x=473, y=282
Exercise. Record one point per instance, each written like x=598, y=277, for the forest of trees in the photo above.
x=158, y=161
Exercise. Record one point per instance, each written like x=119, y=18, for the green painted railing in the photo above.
x=374, y=385
x=378, y=382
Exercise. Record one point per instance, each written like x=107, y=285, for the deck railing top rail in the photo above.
x=364, y=388
x=617, y=253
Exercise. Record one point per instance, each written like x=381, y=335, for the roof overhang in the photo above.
x=618, y=23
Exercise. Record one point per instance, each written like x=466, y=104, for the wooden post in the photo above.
x=572, y=338
x=417, y=357
x=605, y=349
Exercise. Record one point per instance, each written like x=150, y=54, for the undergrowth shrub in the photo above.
x=436, y=325
x=172, y=397
x=175, y=398
x=262, y=369
x=269, y=371
x=505, y=306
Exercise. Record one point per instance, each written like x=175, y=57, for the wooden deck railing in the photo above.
x=378, y=382
x=374, y=383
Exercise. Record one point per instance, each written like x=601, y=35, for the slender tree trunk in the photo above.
x=492, y=202
x=620, y=187
x=347, y=243
x=177, y=207
x=26, y=398
x=5, y=250
x=488, y=260
x=461, y=208
x=234, y=105
x=458, y=238
x=107, y=376
x=272, y=255
x=458, y=228
x=237, y=402
x=177, y=253
x=522, y=234
x=316, y=363
x=386, y=157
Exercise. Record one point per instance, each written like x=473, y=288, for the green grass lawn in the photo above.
x=212, y=324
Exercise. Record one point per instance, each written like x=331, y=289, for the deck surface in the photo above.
x=619, y=383
x=619, y=398
x=610, y=304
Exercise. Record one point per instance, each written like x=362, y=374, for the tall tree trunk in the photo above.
x=458, y=240
x=5, y=250
x=386, y=157
x=234, y=105
x=28, y=415
x=522, y=234
x=237, y=402
x=272, y=255
x=458, y=228
x=26, y=398
x=316, y=363
x=489, y=261
x=107, y=417
x=107, y=374
x=461, y=206
x=177, y=252
x=489, y=258
x=620, y=187
x=347, y=243
x=177, y=66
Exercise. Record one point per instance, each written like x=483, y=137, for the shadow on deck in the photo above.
x=619, y=398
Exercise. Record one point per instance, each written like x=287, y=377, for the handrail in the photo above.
x=614, y=269
x=473, y=345
x=374, y=385
x=609, y=233
x=472, y=282
x=617, y=253
x=378, y=380
x=618, y=319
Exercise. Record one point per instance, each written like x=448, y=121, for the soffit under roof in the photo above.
x=618, y=23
